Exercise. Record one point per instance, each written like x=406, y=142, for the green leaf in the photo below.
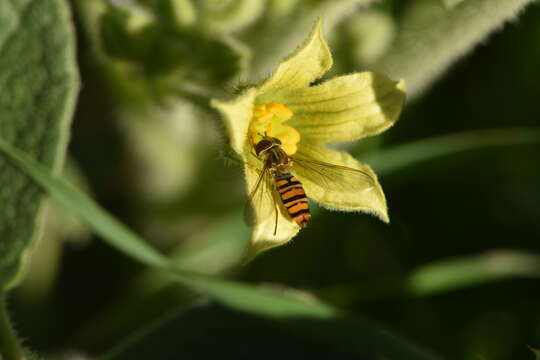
x=433, y=37
x=536, y=353
x=439, y=277
x=216, y=249
x=302, y=313
x=182, y=12
x=398, y=157
x=306, y=315
x=155, y=47
x=219, y=247
x=229, y=15
x=88, y=211
x=123, y=39
x=59, y=226
x=39, y=83
x=462, y=272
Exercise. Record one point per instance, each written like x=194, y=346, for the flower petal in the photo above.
x=264, y=202
x=346, y=108
x=345, y=190
x=236, y=116
x=308, y=63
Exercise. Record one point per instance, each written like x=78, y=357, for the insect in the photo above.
x=278, y=179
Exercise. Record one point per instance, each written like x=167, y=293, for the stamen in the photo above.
x=263, y=117
x=260, y=108
x=268, y=118
x=269, y=128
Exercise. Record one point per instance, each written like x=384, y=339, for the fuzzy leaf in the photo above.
x=39, y=83
x=432, y=37
x=160, y=48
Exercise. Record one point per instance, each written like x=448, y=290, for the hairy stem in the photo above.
x=10, y=347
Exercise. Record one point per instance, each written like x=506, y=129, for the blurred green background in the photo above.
x=456, y=271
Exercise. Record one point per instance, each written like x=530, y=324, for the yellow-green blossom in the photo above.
x=305, y=117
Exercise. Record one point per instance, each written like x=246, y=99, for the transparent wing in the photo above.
x=336, y=177
x=260, y=203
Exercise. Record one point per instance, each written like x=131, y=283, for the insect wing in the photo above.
x=331, y=176
x=260, y=203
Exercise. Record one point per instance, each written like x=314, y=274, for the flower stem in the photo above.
x=10, y=347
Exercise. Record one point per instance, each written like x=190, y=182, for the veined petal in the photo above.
x=263, y=238
x=308, y=63
x=265, y=202
x=236, y=116
x=337, y=188
x=346, y=108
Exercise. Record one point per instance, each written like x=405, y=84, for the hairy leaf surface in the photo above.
x=39, y=83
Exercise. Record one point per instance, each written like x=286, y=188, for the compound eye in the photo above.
x=262, y=145
x=277, y=140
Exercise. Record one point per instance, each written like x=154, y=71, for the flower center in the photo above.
x=267, y=120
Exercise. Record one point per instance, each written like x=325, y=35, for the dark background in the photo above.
x=458, y=205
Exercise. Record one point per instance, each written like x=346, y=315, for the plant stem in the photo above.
x=10, y=347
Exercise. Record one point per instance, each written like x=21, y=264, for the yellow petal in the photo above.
x=346, y=108
x=236, y=117
x=337, y=188
x=264, y=235
x=308, y=63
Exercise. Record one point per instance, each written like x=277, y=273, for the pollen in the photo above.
x=267, y=120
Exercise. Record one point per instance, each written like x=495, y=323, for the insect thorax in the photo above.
x=271, y=152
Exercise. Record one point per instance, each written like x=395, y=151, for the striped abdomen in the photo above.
x=294, y=198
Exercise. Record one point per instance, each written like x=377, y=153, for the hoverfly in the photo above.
x=278, y=179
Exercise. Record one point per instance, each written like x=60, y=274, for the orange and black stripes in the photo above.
x=294, y=198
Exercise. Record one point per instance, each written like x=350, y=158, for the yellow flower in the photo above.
x=305, y=117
